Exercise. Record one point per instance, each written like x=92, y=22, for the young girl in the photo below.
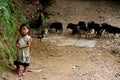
x=23, y=43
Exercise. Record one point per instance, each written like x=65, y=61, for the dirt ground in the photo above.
x=56, y=57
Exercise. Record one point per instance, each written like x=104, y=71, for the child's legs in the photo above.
x=25, y=68
x=24, y=71
x=17, y=64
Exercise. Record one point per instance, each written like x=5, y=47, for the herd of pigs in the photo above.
x=83, y=28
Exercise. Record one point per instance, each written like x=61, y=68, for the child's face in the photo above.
x=24, y=30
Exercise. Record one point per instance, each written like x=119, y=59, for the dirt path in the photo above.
x=71, y=63
x=56, y=58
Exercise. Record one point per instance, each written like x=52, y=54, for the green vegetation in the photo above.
x=3, y=66
x=10, y=18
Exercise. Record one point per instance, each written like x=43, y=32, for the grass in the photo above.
x=10, y=18
x=3, y=66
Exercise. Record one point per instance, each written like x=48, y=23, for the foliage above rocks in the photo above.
x=10, y=18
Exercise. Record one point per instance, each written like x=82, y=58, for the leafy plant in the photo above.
x=10, y=17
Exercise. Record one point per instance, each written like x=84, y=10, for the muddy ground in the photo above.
x=57, y=58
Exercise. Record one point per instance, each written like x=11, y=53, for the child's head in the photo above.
x=24, y=29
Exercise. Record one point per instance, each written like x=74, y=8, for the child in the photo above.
x=23, y=43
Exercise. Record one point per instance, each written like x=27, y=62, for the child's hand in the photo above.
x=18, y=46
